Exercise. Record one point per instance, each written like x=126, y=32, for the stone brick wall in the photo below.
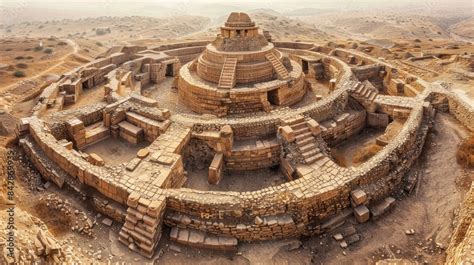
x=462, y=110
x=308, y=201
x=255, y=155
x=460, y=249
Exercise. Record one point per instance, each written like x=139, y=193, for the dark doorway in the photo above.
x=305, y=66
x=169, y=70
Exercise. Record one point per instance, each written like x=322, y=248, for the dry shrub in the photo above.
x=465, y=153
x=365, y=153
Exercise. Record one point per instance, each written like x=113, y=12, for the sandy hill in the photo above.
x=378, y=26
x=464, y=28
x=111, y=28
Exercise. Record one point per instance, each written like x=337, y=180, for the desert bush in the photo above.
x=38, y=48
x=19, y=58
x=19, y=73
x=100, y=32
x=22, y=65
x=48, y=50
x=62, y=43
x=99, y=44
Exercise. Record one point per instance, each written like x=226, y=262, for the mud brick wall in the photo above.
x=157, y=72
x=119, y=58
x=260, y=154
x=309, y=201
x=246, y=101
x=462, y=240
x=461, y=110
x=343, y=126
x=293, y=45
x=48, y=170
x=367, y=72
x=88, y=115
x=277, y=226
x=186, y=54
x=289, y=95
x=197, y=154
x=108, y=208
x=151, y=128
x=179, y=45
x=153, y=113
x=100, y=178
x=383, y=172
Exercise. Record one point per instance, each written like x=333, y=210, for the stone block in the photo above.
x=287, y=133
x=314, y=127
x=361, y=213
x=215, y=169
x=96, y=160
x=358, y=197
x=377, y=120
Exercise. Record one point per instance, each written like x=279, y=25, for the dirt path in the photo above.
x=60, y=61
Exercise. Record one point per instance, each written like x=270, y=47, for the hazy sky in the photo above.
x=29, y=10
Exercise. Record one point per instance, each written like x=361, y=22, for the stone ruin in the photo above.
x=250, y=110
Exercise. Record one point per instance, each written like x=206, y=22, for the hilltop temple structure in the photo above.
x=240, y=72
x=257, y=105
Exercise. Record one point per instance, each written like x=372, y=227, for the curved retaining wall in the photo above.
x=303, y=204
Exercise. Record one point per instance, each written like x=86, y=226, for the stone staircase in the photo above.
x=278, y=66
x=305, y=139
x=364, y=95
x=227, y=79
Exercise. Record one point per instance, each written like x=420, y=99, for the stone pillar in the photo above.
x=227, y=138
x=332, y=85
x=216, y=169
x=141, y=231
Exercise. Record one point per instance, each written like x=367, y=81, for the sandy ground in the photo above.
x=115, y=151
x=346, y=150
x=236, y=181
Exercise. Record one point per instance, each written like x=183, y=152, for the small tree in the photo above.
x=19, y=73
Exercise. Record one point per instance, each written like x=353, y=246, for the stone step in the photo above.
x=367, y=93
x=336, y=220
x=382, y=207
x=227, y=78
x=308, y=147
x=195, y=238
x=359, y=87
x=314, y=158
x=300, y=130
x=303, y=136
x=373, y=96
x=278, y=66
x=305, y=141
x=299, y=125
x=310, y=153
